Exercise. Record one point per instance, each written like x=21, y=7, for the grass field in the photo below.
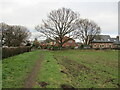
x=15, y=69
x=69, y=68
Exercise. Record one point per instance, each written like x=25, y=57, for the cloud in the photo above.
x=30, y=13
x=37, y=35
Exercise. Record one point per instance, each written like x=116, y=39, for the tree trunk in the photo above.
x=85, y=41
x=61, y=43
x=60, y=46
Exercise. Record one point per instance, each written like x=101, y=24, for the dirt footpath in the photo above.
x=30, y=80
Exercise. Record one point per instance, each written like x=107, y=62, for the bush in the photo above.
x=11, y=51
x=39, y=47
x=85, y=47
x=55, y=48
x=49, y=47
x=72, y=47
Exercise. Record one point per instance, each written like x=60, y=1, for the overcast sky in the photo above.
x=29, y=13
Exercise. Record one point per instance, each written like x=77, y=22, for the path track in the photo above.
x=30, y=80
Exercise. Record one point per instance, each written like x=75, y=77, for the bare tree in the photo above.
x=87, y=30
x=60, y=23
x=3, y=29
x=13, y=35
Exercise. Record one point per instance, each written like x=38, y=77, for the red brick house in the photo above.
x=102, y=45
x=69, y=43
x=105, y=41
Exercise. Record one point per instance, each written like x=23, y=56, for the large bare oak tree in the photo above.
x=60, y=23
x=87, y=30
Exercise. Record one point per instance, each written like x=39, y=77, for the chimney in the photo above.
x=118, y=37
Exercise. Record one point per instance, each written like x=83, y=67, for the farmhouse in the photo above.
x=105, y=41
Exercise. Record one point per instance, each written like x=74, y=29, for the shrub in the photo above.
x=39, y=47
x=11, y=51
x=72, y=47
x=56, y=48
x=49, y=47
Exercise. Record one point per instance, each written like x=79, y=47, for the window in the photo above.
x=95, y=46
x=110, y=46
x=70, y=41
x=108, y=39
x=101, y=46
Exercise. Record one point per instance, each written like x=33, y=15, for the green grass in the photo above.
x=75, y=68
x=15, y=69
x=82, y=69
x=50, y=72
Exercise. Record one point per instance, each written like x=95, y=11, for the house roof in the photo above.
x=106, y=39
x=102, y=38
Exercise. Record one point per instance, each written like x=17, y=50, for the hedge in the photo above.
x=11, y=51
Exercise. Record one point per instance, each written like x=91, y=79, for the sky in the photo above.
x=30, y=13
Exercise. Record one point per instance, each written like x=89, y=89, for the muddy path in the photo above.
x=30, y=80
